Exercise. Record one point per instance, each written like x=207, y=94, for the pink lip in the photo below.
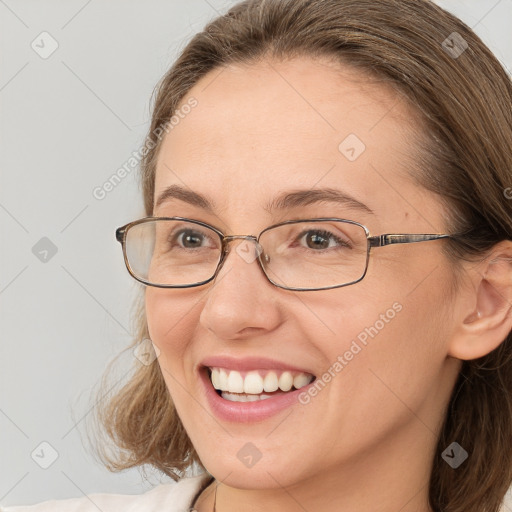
x=247, y=412
x=248, y=363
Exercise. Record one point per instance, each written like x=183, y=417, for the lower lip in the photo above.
x=247, y=412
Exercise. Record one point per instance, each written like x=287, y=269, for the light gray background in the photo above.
x=68, y=122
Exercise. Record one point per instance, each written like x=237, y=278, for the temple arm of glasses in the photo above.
x=381, y=240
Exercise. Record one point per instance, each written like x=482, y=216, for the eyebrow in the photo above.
x=185, y=195
x=286, y=200
x=296, y=198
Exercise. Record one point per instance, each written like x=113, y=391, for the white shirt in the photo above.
x=172, y=497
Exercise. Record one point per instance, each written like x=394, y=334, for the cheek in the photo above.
x=172, y=318
x=407, y=356
x=399, y=315
x=382, y=352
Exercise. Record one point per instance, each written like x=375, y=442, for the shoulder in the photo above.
x=172, y=497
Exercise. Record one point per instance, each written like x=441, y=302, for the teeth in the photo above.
x=301, y=380
x=253, y=383
x=215, y=378
x=235, y=383
x=256, y=382
x=271, y=382
x=234, y=397
x=286, y=381
x=223, y=379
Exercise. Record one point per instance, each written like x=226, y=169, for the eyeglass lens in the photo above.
x=305, y=254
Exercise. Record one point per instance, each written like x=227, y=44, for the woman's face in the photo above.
x=379, y=346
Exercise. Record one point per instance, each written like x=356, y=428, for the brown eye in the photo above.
x=190, y=239
x=321, y=240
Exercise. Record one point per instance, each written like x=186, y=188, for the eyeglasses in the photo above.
x=301, y=255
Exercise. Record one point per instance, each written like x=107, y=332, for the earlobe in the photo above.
x=488, y=321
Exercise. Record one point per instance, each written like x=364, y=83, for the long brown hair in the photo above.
x=464, y=99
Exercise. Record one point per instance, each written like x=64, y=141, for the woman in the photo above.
x=309, y=366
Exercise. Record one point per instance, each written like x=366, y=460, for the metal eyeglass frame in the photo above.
x=372, y=241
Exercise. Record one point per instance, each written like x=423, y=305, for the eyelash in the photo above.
x=326, y=234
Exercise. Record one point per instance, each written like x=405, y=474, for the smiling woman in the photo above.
x=288, y=216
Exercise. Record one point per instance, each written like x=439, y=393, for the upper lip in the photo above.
x=249, y=363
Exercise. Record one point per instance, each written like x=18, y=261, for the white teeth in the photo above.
x=256, y=382
x=301, y=380
x=223, y=379
x=286, y=381
x=215, y=378
x=234, y=397
x=270, y=382
x=253, y=383
x=235, y=383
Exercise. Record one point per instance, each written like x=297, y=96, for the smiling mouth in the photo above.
x=254, y=385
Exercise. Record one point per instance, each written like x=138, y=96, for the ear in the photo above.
x=486, y=314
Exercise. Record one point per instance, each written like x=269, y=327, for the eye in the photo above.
x=321, y=239
x=190, y=239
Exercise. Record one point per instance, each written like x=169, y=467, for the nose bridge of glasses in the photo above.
x=258, y=248
x=234, y=237
x=230, y=238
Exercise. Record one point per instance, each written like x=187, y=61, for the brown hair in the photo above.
x=465, y=102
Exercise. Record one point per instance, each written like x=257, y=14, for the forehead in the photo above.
x=259, y=128
x=300, y=100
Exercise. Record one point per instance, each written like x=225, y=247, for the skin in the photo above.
x=366, y=442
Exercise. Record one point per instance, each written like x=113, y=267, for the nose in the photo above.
x=241, y=301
